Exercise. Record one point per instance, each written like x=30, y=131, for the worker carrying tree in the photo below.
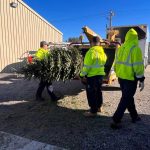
x=93, y=72
x=41, y=54
x=129, y=69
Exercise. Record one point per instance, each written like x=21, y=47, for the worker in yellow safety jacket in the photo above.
x=42, y=51
x=40, y=55
x=129, y=69
x=93, y=72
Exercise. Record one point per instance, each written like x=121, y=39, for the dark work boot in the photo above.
x=115, y=126
x=53, y=96
x=39, y=99
x=136, y=119
x=57, y=98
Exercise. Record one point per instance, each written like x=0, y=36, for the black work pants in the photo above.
x=41, y=87
x=128, y=89
x=94, y=93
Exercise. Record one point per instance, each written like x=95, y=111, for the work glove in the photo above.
x=141, y=85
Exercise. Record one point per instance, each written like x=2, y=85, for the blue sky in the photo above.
x=70, y=16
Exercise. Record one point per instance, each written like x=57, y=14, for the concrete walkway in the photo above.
x=13, y=142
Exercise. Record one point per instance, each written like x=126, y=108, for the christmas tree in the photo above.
x=60, y=64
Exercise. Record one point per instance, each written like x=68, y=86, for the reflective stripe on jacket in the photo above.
x=129, y=61
x=94, y=62
x=41, y=53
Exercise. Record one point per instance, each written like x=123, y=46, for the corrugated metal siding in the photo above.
x=22, y=29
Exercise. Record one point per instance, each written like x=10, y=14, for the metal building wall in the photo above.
x=21, y=29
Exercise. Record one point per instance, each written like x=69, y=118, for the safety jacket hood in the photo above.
x=131, y=37
x=97, y=48
x=129, y=61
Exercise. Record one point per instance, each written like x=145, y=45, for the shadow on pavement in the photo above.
x=54, y=124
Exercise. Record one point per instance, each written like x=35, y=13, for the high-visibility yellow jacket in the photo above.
x=41, y=53
x=128, y=60
x=94, y=62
